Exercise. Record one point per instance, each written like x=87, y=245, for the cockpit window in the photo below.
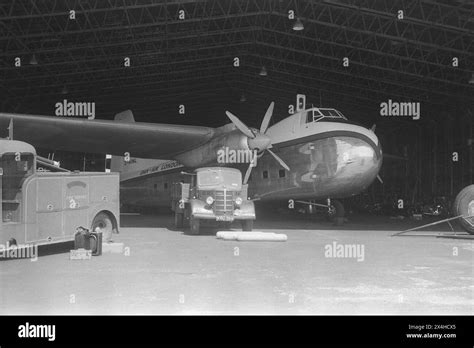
x=329, y=112
x=318, y=114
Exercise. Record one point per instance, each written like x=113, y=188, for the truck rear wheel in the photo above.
x=194, y=225
x=178, y=220
x=104, y=222
x=247, y=225
x=464, y=205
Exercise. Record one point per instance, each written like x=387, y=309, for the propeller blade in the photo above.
x=267, y=118
x=248, y=172
x=380, y=179
x=10, y=130
x=373, y=127
x=240, y=125
x=283, y=164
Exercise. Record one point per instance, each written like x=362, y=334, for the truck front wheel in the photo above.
x=194, y=222
x=247, y=225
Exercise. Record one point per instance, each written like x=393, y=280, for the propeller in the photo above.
x=267, y=118
x=240, y=125
x=257, y=140
x=283, y=164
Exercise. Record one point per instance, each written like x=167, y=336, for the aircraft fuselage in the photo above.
x=327, y=160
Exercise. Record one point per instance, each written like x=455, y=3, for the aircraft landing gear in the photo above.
x=336, y=211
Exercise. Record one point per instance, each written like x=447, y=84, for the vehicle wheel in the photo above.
x=103, y=221
x=227, y=225
x=194, y=224
x=178, y=220
x=336, y=210
x=187, y=217
x=247, y=225
x=464, y=205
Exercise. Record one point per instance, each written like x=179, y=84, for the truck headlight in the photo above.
x=238, y=200
x=209, y=200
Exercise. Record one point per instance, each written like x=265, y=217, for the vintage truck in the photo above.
x=45, y=207
x=214, y=194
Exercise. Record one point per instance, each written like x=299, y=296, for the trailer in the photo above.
x=41, y=208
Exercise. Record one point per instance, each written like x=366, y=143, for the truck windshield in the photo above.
x=221, y=178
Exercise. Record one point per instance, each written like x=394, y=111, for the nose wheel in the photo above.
x=336, y=211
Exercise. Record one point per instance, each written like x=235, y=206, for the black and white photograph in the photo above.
x=237, y=158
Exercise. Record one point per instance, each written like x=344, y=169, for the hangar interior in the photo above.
x=204, y=57
x=184, y=53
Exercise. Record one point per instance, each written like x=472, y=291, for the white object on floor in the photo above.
x=113, y=248
x=251, y=236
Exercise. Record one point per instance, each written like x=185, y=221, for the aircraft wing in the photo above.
x=146, y=140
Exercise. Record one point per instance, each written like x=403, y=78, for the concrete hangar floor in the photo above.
x=165, y=271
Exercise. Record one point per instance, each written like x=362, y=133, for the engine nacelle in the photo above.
x=206, y=154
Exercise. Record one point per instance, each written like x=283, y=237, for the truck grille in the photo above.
x=223, y=203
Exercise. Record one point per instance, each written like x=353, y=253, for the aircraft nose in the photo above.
x=359, y=157
x=368, y=136
x=377, y=148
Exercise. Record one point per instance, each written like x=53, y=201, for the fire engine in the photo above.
x=40, y=207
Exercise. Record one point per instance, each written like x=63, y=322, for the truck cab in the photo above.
x=214, y=194
x=17, y=164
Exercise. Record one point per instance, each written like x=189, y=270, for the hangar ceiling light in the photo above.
x=170, y=60
x=33, y=60
x=298, y=25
